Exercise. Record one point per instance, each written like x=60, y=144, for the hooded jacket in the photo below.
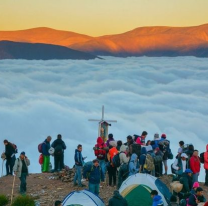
x=206, y=158
x=157, y=200
x=100, y=149
x=117, y=200
x=133, y=165
x=195, y=164
x=122, y=155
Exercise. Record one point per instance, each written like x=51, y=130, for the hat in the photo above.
x=156, y=136
x=188, y=171
x=199, y=189
x=195, y=185
x=163, y=135
x=95, y=160
x=184, y=155
x=22, y=153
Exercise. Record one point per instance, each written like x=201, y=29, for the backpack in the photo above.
x=170, y=154
x=135, y=148
x=41, y=159
x=187, y=200
x=149, y=163
x=40, y=147
x=116, y=160
x=136, y=136
x=202, y=157
x=58, y=149
x=14, y=146
x=86, y=166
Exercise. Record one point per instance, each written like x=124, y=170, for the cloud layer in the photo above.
x=41, y=98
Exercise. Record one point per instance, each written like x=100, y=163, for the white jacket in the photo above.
x=18, y=166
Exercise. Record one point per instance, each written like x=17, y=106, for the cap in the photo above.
x=163, y=135
x=195, y=185
x=184, y=155
x=22, y=153
x=188, y=171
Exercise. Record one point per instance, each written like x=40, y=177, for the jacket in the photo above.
x=157, y=200
x=186, y=180
x=192, y=200
x=195, y=164
x=59, y=142
x=206, y=158
x=95, y=174
x=117, y=200
x=100, y=149
x=142, y=158
x=78, y=158
x=141, y=140
x=9, y=150
x=133, y=165
x=18, y=166
x=45, y=147
x=179, y=163
x=122, y=155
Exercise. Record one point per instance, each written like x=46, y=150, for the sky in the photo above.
x=159, y=95
x=100, y=17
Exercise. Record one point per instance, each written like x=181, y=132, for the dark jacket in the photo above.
x=186, y=180
x=9, y=150
x=45, y=147
x=59, y=143
x=192, y=200
x=117, y=200
x=95, y=174
x=78, y=158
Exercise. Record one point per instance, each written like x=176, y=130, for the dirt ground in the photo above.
x=46, y=190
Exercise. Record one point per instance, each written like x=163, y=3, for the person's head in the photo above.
x=184, y=156
x=22, y=155
x=181, y=143
x=6, y=142
x=96, y=162
x=195, y=185
x=199, y=191
x=153, y=193
x=163, y=136
x=58, y=203
x=110, y=136
x=173, y=198
x=188, y=172
x=144, y=133
x=79, y=147
x=48, y=138
x=129, y=138
x=148, y=142
x=119, y=143
x=59, y=136
x=196, y=153
x=156, y=136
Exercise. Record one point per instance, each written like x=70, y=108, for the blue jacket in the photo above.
x=95, y=174
x=78, y=158
x=133, y=165
x=142, y=157
x=45, y=147
x=157, y=200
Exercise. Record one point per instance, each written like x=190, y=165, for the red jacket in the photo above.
x=195, y=164
x=206, y=159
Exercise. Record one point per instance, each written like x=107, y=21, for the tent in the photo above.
x=137, y=188
x=82, y=198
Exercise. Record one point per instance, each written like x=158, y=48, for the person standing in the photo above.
x=195, y=165
x=94, y=175
x=79, y=161
x=59, y=147
x=10, y=157
x=21, y=171
x=141, y=140
x=206, y=166
x=46, y=156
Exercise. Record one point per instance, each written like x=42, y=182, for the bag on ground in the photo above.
x=176, y=186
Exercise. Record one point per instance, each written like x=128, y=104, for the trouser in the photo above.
x=78, y=175
x=158, y=169
x=23, y=184
x=103, y=166
x=195, y=177
x=94, y=188
x=122, y=174
x=46, y=162
x=9, y=165
x=206, y=177
x=59, y=162
x=112, y=175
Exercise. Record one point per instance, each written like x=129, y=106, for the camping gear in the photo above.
x=143, y=184
x=13, y=189
x=82, y=198
x=176, y=186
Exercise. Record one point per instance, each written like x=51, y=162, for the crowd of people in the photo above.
x=117, y=161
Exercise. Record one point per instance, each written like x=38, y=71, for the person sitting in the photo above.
x=180, y=164
x=194, y=199
x=117, y=200
x=157, y=199
x=195, y=186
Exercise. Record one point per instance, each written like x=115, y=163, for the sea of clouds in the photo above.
x=163, y=95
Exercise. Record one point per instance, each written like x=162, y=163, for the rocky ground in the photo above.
x=47, y=187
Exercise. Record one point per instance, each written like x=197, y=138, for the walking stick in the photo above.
x=13, y=188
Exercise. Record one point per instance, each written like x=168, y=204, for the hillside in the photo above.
x=149, y=41
x=17, y=50
x=46, y=188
